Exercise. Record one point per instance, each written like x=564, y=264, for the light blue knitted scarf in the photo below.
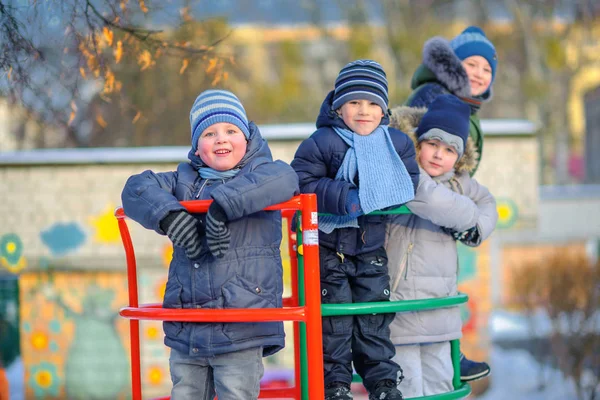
x=209, y=173
x=384, y=180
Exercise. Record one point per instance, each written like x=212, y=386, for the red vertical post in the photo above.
x=314, y=334
x=134, y=324
x=292, y=248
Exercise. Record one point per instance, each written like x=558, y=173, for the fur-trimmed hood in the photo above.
x=440, y=60
x=407, y=119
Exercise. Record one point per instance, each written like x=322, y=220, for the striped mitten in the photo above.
x=218, y=235
x=184, y=231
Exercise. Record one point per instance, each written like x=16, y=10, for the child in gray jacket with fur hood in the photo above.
x=449, y=205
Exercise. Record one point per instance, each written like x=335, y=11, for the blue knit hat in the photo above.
x=361, y=80
x=473, y=42
x=446, y=119
x=214, y=106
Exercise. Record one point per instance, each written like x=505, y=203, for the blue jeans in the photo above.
x=233, y=376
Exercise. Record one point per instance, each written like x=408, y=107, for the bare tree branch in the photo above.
x=56, y=74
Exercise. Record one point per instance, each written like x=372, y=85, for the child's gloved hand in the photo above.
x=470, y=235
x=184, y=231
x=353, y=207
x=218, y=235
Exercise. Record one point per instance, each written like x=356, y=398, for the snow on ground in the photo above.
x=515, y=376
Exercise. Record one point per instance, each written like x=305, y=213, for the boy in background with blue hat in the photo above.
x=229, y=258
x=449, y=205
x=356, y=164
x=465, y=67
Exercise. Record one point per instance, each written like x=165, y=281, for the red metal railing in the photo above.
x=310, y=313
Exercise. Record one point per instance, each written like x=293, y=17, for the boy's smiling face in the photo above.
x=222, y=146
x=479, y=73
x=361, y=116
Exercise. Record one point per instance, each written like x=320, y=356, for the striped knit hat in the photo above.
x=214, y=106
x=361, y=80
x=473, y=42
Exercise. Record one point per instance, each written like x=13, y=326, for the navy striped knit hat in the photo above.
x=473, y=42
x=361, y=80
x=214, y=106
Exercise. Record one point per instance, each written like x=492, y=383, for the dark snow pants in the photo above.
x=360, y=339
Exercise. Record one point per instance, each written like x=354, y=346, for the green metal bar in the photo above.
x=397, y=210
x=455, y=354
x=330, y=310
x=301, y=302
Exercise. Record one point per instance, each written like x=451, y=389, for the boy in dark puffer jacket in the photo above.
x=229, y=258
x=356, y=164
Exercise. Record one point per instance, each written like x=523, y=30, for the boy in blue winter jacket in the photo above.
x=356, y=164
x=229, y=258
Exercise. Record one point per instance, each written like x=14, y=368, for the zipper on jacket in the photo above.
x=403, y=267
x=408, y=251
x=201, y=188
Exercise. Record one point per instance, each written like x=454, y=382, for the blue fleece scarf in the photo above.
x=209, y=173
x=384, y=180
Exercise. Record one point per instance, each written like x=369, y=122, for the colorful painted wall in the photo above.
x=74, y=345
x=473, y=279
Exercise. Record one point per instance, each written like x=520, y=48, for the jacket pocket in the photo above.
x=173, y=291
x=402, y=271
x=240, y=292
x=243, y=293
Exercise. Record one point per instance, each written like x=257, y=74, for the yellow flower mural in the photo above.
x=507, y=213
x=11, y=253
x=152, y=332
x=155, y=375
x=107, y=229
x=44, y=380
x=39, y=340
